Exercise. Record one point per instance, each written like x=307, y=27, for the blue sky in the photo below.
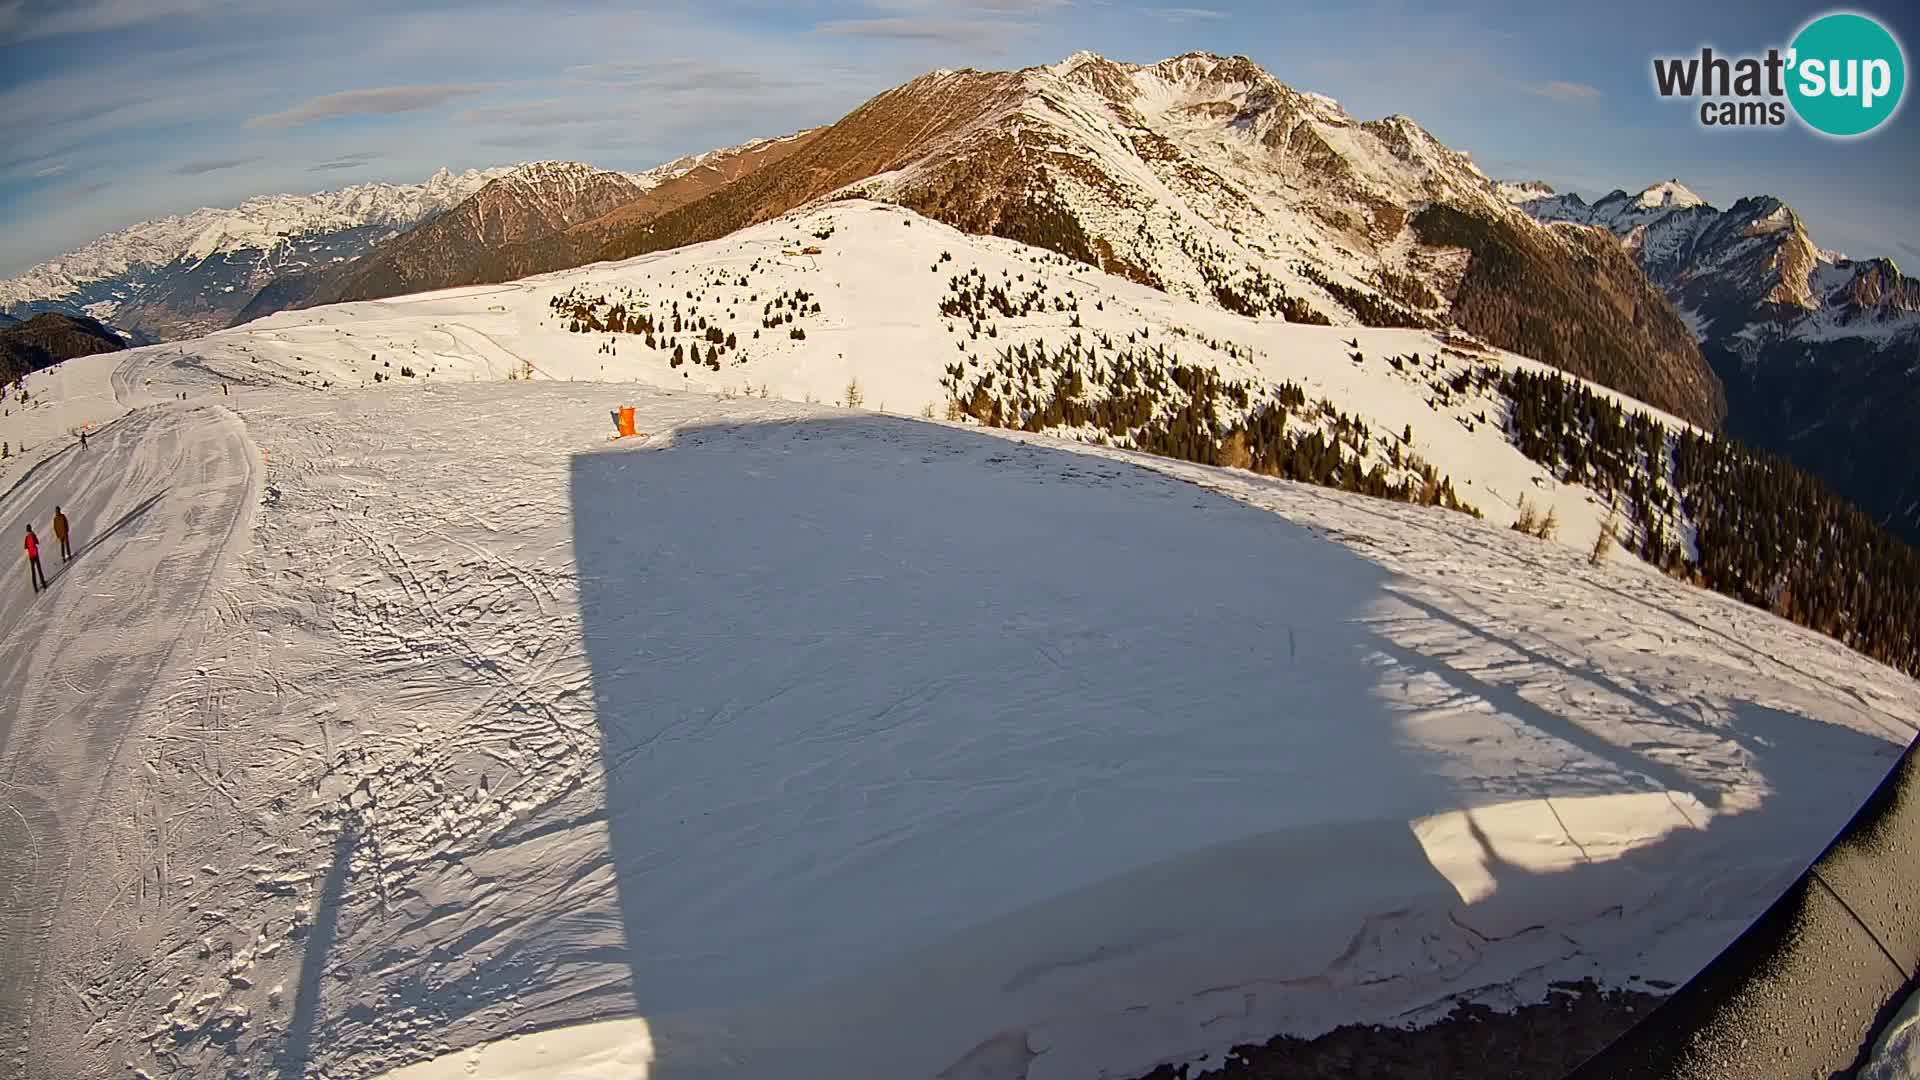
x=113, y=111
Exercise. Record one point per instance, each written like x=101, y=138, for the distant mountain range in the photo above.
x=185, y=275
x=452, y=247
x=1819, y=353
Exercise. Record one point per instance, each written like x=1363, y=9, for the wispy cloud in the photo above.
x=1911, y=249
x=1570, y=92
x=21, y=20
x=344, y=161
x=985, y=34
x=524, y=140
x=685, y=74
x=552, y=112
x=84, y=190
x=50, y=169
x=207, y=165
x=1184, y=14
x=1023, y=7
x=376, y=101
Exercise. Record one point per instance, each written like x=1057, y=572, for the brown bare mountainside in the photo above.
x=712, y=173
x=702, y=177
x=1621, y=331
x=892, y=131
x=532, y=201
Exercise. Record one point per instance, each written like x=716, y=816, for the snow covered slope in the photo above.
x=819, y=742
x=880, y=278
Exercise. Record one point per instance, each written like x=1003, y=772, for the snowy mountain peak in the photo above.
x=555, y=180
x=1519, y=192
x=1064, y=67
x=1669, y=193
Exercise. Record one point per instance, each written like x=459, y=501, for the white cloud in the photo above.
x=1573, y=92
x=979, y=34
x=21, y=21
x=207, y=165
x=1022, y=7
x=374, y=101
x=1185, y=14
x=344, y=161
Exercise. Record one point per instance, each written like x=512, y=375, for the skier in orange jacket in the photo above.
x=60, y=534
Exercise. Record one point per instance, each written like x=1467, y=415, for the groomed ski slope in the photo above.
x=802, y=741
x=157, y=503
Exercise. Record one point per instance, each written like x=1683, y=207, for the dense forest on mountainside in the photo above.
x=48, y=338
x=1611, y=325
x=1767, y=533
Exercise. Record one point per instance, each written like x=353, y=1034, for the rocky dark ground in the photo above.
x=1538, y=1042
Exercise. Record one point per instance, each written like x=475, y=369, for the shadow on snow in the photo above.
x=897, y=717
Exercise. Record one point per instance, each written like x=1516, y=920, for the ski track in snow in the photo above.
x=830, y=743
x=155, y=502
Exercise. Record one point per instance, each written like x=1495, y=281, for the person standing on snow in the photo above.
x=60, y=534
x=33, y=560
x=83, y=438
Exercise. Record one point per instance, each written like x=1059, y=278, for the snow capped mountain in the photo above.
x=1820, y=353
x=189, y=273
x=263, y=223
x=557, y=182
x=1752, y=271
x=1524, y=191
x=1205, y=177
x=1670, y=194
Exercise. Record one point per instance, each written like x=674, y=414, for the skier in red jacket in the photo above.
x=33, y=560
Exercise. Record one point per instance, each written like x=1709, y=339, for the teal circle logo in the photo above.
x=1847, y=74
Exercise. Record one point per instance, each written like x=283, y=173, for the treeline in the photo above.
x=1590, y=439
x=684, y=334
x=1371, y=310
x=1250, y=290
x=1781, y=539
x=971, y=297
x=1766, y=533
x=1143, y=397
